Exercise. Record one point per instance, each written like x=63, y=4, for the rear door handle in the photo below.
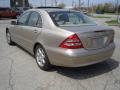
x=35, y=31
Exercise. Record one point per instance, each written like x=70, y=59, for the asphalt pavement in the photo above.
x=19, y=71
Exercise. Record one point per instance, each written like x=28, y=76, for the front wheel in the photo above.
x=41, y=58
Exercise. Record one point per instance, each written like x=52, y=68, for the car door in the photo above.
x=32, y=30
x=28, y=32
x=19, y=28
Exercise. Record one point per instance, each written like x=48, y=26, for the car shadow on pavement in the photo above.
x=88, y=71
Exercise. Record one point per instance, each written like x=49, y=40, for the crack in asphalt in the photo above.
x=82, y=86
x=10, y=84
x=46, y=87
x=106, y=84
x=116, y=81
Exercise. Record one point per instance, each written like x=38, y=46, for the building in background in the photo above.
x=14, y=3
x=19, y=3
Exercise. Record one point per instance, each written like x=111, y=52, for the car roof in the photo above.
x=52, y=9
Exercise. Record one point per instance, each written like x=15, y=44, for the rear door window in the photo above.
x=33, y=19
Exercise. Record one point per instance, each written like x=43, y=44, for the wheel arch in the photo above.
x=37, y=43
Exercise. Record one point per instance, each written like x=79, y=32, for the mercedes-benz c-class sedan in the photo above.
x=61, y=37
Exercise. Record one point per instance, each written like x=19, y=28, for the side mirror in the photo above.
x=18, y=17
x=13, y=22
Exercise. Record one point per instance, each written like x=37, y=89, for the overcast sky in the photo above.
x=4, y=3
x=68, y=2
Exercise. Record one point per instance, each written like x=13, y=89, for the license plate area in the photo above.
x=97, y=42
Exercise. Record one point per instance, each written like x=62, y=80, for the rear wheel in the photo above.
x=42, y=58
x=8, y=38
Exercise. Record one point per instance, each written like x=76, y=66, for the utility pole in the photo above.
x=52, y=3
x=56, y=3
x=73, y=4
x=23, y=3
x=88, y=5
x=92, y=9
x=117, y=6
x=41, y=2
x=45, y=3
x=79, y=4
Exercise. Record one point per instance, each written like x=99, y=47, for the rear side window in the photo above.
x=23, y=19
x=33, y=20
x=39, y=23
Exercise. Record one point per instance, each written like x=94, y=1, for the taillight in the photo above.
x=112, y=38
x=72, y=42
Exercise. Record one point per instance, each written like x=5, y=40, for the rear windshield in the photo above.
x=70, y=18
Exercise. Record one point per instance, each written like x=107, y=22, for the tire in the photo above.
x=42, y=58
x=8, y=38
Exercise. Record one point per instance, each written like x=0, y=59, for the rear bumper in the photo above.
x=79, y=57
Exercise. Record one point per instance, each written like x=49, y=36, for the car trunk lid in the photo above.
x=93, y=37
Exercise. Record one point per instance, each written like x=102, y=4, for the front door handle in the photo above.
x=35, y=31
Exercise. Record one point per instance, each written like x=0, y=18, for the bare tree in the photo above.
x=81, y=2
x=117, y=11
x=55, y=2
x=61, y=5
x=73, y=3
x=88, y=5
